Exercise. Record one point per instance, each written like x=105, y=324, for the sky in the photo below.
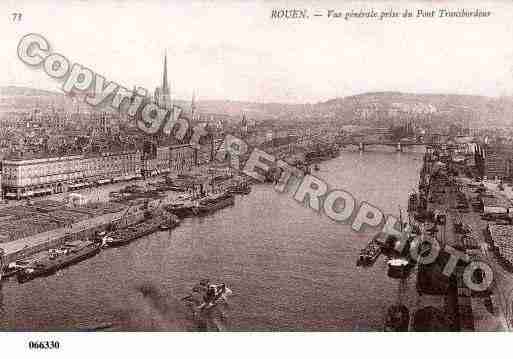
x=234, y=50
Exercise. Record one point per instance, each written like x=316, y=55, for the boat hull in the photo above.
x=50, y=267
x=203, y=209
x=125, y=240
x=182, y=211
x=126, y=236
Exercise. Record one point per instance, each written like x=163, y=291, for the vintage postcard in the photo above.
x=255, y=166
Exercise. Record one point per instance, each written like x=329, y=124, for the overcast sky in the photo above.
x=234, y=50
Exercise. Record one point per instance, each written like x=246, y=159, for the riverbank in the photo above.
x=464, y=228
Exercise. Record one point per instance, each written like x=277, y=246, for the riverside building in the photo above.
x=27, y=177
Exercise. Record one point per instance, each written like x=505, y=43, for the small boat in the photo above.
x=321, y=154
x=213, y=203
x=134, y=188
x=205, y=295
x=399, y=268
x=164, y=227
x=115, y=194
x=170, y=225
x=220, y=292
x=59, y=258
x=369, y=254
x=173, y=188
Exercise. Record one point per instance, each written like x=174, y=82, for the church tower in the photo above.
x=162, y=93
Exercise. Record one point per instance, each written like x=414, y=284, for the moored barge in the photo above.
x=213, y=203
x=59, y=258
x=124, y=236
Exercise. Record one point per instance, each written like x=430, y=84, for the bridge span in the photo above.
x=398, y=145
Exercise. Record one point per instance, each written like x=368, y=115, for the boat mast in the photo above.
x=401, y=218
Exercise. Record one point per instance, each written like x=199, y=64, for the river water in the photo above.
x=288, y=267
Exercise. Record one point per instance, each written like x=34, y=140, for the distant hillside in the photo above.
x=26, y=91
x=383, y=108
x=380, y=109
x=368, y=109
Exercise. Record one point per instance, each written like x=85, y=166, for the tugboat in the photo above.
x=206, y=295
x=59, y=258
x=213, y=203
x=399, y=268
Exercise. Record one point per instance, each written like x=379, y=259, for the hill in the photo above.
x=368, y=109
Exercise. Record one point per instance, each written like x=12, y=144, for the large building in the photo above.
x=156, y=160
x=498, y=161
x=182, y=158
x=24, y=178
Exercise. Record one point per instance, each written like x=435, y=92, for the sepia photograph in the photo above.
x=255, y=166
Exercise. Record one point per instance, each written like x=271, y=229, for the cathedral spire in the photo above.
x=165, y=87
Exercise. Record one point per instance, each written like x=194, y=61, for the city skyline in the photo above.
x=253, y=58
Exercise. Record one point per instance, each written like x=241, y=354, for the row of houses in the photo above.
x=27, y=177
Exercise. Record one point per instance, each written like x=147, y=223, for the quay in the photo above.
x=37, y=226
x=472, y=217
x=85, y=227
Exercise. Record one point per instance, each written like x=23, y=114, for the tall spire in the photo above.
x=165, y=88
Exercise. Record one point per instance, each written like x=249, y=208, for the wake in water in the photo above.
x=205, y=315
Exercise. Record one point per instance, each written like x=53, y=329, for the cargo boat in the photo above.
x=124, y=236
x=183, y=207
x=14, y=268
x=321, y=155
x=213, y=203
x=169, y=186
x=240, y=188
x=59, y=258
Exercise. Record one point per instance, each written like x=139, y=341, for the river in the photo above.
x=289, y=267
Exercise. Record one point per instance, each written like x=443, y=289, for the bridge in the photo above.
x=398, y=145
